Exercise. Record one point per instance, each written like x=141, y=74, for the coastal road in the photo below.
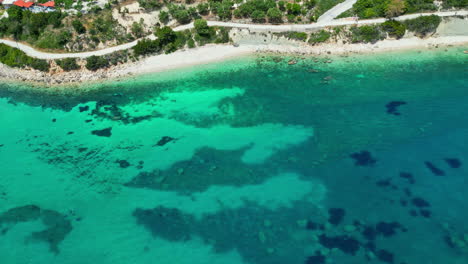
x=336, y=11
x=30, y=51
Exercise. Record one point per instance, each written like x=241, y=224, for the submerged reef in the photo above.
x=392, y=107
x=57, y=224
x=106, y=132
x=363, y=158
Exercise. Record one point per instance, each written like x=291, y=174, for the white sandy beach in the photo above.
x=212, y=53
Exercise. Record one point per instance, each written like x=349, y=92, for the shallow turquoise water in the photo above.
x=356, y=159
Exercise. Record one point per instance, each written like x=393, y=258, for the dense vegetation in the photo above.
x=169, y=41
x=56, y=30
x=319, y=37
x=27, y=26
x=394, y=28
x=390, y=8
x=455, y=3
x=366, y=34
x=94, y=63
x=297, y=36
x=423, y=25
x=68, y=64
x=16, y=58
x=258, y=11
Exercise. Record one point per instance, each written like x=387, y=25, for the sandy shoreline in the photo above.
x=214, y=53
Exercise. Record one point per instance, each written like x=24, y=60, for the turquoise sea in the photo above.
x=338, y=159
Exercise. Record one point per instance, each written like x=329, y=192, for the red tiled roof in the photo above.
x=21, y=3
x=48, y=4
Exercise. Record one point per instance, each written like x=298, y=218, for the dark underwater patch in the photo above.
x=385, y=256
x=106, y=132
x=345, y=243
x=316, y=259
x=123, y=163
x=57, y=225
x=436, y=171
x=363, y=158
x=83, y=108
x=254, y=231
x=425, y=213
x=369, y=233
x=408, y=176
x=164, y=140
x=336, y=215
x=171, y=224
x=392, y=107
x=420, y=202
x=453, y=163
x=387, y=229
x=207, y=167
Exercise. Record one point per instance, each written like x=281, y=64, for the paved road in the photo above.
x=336, y=11
x=255, y=27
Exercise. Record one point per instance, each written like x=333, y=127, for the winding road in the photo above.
x=336, y=11
x=326, y=21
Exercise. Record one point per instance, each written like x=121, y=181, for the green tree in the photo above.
x=164, y=17
x=258, y=16
x=319, y=37
x=394, y=28
x=78, y=26
x=165, y=35
x=366, y=34
x=203, y=9
x=182, y=16
x=202, y=28
x=68, y=64
x=137, y=29
x=94, y=63
x=423, y=25
x=15, y=13
x=274, y=15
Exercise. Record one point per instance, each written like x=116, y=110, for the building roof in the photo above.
x=21, y=3
x=48, y=4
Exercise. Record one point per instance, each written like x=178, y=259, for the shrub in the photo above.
x=203, y=9
x=455, y=3
x=394, y=28
x=68, y=64
x=78, y=26
x=94, y=63
x=274, y=15
x=370, y=8
x=147, y=46
x=164, y=17
x=150, y=4
x=202, y=28
x=366, y=34
x=38, y=64
x=223, y=35
x=319, y=37
x=423, y=25
x=297, y=36
x=182, y=16
x=166, y=35
x=395, y=8
x=415, y=6
x=14, y=57
x=258, y=16
x=191, y=43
